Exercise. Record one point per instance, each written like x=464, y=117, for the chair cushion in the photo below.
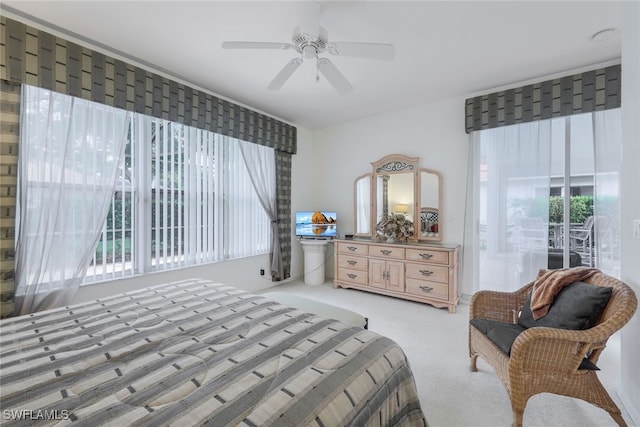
x=504, y=334
x=577, y=306
x=501, y=334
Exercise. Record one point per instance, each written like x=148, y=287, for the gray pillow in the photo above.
x=577, y=306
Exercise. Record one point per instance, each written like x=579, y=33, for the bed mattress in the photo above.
x=196, y=352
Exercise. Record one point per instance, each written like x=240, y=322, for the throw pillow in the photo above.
x=577, y=306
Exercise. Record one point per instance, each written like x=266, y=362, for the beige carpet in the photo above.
x=436, y=345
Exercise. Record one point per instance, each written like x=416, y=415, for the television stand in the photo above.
x=314, y=260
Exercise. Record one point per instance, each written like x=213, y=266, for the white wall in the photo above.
x=243, y=273
x=630, y=204
x=433, y=132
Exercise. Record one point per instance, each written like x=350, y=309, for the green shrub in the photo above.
x=581, y=208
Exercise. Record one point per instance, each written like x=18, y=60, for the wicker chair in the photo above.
x=546, y=360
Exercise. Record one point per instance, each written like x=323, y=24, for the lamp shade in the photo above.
x=402, y=208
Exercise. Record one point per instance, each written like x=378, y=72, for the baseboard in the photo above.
x=465, y=299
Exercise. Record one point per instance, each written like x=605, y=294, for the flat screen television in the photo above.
x=316, y=224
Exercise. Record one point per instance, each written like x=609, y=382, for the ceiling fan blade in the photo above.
x=256, y=45
x=334, y=76
x=284, y=74
x=363, y=50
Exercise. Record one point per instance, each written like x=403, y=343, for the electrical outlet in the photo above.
x=636, y=228
x=262, y=271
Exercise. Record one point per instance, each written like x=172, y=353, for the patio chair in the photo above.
x=531, y=359
x=581, y=241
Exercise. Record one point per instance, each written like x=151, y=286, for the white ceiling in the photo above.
x=443, y=48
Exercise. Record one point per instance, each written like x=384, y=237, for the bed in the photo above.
x=196, y=352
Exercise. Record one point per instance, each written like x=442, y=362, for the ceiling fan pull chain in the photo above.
x=317, y=69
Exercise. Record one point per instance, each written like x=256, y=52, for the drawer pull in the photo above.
x=426, y=288
x=426, y=272
x=352, y=262
x=426, y=256
x=351, y=275
x=352, y=248
x=385, y=251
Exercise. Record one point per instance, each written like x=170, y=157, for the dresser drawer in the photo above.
x=353, y=276
x=386, y=252
x=352, y=248
x=352, y=262
x=424, y=288
x=428, y=255
x=432, y=273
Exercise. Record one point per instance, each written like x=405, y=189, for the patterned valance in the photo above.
x=581, y=93
x=43, y=60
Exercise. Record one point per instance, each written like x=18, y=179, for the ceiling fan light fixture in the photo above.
x=309, y=51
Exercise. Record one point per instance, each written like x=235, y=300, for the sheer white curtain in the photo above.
x=70, y=151
x=247, y=227
x=261, y=166
x=507, y=217
x=607, y=138
x=507, y=236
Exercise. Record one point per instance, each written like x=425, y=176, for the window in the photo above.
x=546, y=196
x=184, y=197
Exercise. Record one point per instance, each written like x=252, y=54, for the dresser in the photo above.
x=426, y=273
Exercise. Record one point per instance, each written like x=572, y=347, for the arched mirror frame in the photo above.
x=397, y=164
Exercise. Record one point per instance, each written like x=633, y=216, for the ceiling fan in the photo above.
x=310, y=44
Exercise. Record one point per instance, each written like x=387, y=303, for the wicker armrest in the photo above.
x=556, y=350
x=499, y=306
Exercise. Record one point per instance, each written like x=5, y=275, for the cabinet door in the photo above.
x=395, y=275
x=377, y=273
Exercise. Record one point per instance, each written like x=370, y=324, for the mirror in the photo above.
x=429, y=218
x=397, y=186
x=395, y=194
x=363, y=205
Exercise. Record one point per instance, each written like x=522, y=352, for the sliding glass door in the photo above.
x=545, y=195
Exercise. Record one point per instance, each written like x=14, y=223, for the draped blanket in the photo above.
x=550, y=282
x=196, y=352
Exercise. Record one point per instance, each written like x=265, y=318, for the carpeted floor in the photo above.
x=436, y=345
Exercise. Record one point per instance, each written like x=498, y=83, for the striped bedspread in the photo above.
x=196, y=352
